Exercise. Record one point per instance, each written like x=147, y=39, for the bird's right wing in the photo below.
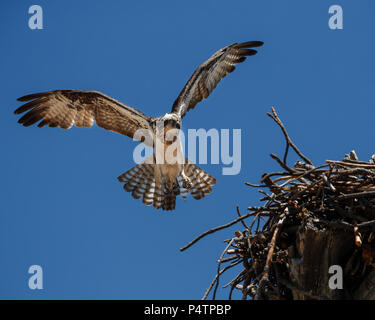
x=65, y=108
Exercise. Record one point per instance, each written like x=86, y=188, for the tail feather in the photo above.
x=201, y=181
x=170, y=196
x=148, y=197
x=141, y=185
x=140, y=181
x=128, y=175
x=169, y=201
x=144, y=181
x=158, y=197
x=183, y=191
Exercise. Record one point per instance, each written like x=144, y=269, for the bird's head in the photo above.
x=168, y=121
x=167, y=127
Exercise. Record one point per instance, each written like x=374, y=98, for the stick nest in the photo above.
x=338, y=195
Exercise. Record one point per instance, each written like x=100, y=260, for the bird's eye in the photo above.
x=178, y=125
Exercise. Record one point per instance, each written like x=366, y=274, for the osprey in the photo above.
x=158, y=183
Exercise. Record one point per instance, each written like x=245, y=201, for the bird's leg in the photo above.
x=186, y=183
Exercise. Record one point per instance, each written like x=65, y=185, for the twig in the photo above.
x=214, y=280
x=366, y=224
x=356, y=195
x=215, y=229
x=276, y=118
x=218, y=268
x=349, y=164
x=265, y=278
x=282, y=164
x=239, y=215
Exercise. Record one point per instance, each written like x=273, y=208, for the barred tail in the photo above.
x=141, y=182
x=201, y=182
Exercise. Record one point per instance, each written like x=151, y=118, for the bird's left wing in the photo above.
x=209, y=74
x=65, y=108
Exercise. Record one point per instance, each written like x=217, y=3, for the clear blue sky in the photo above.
x=61, y=205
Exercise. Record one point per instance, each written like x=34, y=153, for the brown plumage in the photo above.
x=65, y=108
x=207, y=76
x=157, y=184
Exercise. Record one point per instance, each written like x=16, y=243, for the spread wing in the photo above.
x=209, y=74
x=65, y=108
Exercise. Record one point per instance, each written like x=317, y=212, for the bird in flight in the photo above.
x=158, y=183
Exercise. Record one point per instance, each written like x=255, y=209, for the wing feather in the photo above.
x=65, y=108
x=207, y=76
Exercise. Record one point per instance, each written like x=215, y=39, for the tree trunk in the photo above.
x=315, y=251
